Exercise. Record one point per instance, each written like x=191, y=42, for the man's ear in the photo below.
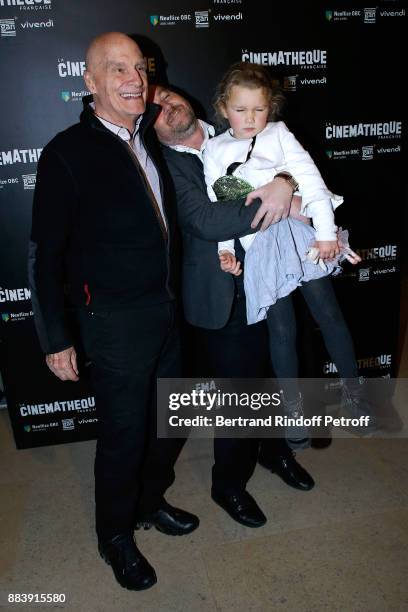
x=89, y=81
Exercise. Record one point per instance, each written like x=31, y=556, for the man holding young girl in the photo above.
x=214, y=302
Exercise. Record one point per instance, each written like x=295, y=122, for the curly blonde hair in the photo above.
x=252, y=76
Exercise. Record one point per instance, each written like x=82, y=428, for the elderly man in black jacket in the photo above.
x=103, y=232
x=214, y=302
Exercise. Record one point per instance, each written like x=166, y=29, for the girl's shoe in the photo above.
x=297, y=435
x=355, y=404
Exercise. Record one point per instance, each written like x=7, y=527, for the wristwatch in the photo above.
x=289, y=179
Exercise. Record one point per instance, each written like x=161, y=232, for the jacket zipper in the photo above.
x=150, y=192
x=136, y=164
x=169, y=291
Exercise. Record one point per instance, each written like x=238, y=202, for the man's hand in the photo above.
x=276, y=197
x=229, y=263
x=64, y=364
x=328, y=249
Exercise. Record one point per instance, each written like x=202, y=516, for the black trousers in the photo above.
x=238, y=350
x=129, y=349
x=281, y=320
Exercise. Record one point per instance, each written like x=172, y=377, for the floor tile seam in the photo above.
x=214, y=599
x=334, y=522
x=394, y=479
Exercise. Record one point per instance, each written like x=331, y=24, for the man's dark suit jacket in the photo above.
x=208, y=292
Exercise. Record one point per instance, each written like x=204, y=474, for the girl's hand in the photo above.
x=229, y=263
x=328, y=249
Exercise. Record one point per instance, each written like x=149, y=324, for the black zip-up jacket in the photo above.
x=96, y=239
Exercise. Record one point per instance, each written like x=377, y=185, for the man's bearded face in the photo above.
x=176, y=120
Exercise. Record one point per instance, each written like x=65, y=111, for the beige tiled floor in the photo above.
x=341, y=547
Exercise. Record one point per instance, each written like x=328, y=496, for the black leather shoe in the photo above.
x=241, y=506
x=131, y=568
x=289, y=470
x=169, y=520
